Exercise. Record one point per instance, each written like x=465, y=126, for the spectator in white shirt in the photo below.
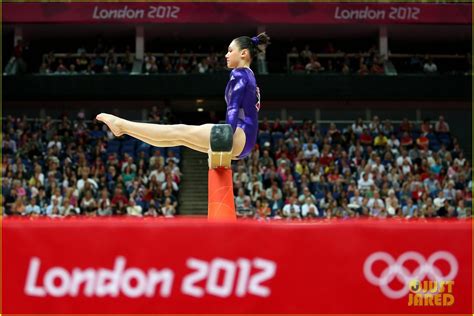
x=54, y=209
x=430, y=67
x=376, y=205
x=358, y=127
x=291, y=209
x=391, y=203
x=85, y=178
x=240, y=199
x=305, y=195
x=32, y=208
x=438, y=202
x=55, y=142
x=311, y=151
x=365, y=183
x=309, y=209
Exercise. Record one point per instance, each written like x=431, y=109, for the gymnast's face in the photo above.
x=235, y=56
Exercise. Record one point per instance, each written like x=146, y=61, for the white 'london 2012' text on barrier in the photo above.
x=245, y=275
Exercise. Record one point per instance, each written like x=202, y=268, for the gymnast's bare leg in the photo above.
x=196, y=137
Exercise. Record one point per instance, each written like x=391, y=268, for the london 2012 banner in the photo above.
x=258, y=13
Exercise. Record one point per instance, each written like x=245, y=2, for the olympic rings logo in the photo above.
x=396, y=269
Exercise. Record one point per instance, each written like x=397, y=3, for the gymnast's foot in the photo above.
x=113, y=122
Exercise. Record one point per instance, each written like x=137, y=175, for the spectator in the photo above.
x=168, y=209
x=246, y=210
x=309, y=209
x=54, y=209
x=104, y=205
x=32, y=209
x=314, y=66
x=365, y=138
x=133, y=209
x=410, y=209
x=291, y=209
x=441, y=125
x=18, y=207
x=119, y=202
x=88, y=204
x=391, y=203
x=376, y=206
x=430, y=67
x=380, y=140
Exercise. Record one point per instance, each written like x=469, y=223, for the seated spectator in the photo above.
x=32, y=209
x=314, y=66
x=365, y=183
x=409, y=209
x=363, y=70
x=345, y=69
x=425, y=127
x=406, y=140
x=377, y=66
x=380, y=140
x=306, y=53
x=119, y=202
x=441, y=125
x=406, y=126
x=462, y=210
x=153, y=209
x=167, y=194
x=246, y=210
x=168, y=209
x=69, y=209
x=88, y=204
x=262, y=208
x=423, y=142
x=391, y=203
x=376, y=206
x=387, y=128
x=104, y=205
x=54, y=209
x=430, y=67
x=18, y=207
x=291, y=209
x=298, y=67
x=133, y=209
x=309, y=209
x=358, y=127
x=306, y=194
x=366, y=138
x=438, y=202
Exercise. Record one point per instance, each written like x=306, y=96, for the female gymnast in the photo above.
x=243, y=103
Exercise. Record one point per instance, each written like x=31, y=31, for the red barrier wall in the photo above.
x=129, y=265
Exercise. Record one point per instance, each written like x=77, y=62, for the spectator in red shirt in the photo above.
x=366, y=138
x=119, y=202
x=406, y=126
x=423, y=142
x=406, y=140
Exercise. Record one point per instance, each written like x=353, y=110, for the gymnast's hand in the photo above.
x=113, y=122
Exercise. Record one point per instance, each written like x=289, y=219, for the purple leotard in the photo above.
x=243, y=103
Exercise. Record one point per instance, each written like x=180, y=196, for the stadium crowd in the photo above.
x=329, y=60
x=297, y=170
x=371, y=169
x=64, y=167
x=105, y=58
